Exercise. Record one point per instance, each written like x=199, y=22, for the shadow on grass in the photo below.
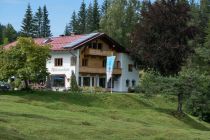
x=185, y=119
x=50, y=97
x=33, y=116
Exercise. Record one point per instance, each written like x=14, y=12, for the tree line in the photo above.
x=37, y=25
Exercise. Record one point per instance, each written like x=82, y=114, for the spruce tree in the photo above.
x=38, y=22
x=10, y=33
x=73, y=25
x=96, y=15
x=28, y=23
x=104, y=7
x=74, y=86
x=1, y=35
x=66, y=31
x=82, y=18
x=90, y=19
x=46, y=32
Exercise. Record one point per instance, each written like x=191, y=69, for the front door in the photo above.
x=102, y=82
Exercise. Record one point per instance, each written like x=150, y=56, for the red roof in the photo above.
x=57, y=43
x=70, y=42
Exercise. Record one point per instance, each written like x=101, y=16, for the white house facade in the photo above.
x=85, y=56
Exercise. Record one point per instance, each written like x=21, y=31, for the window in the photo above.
x=130, y=67
x=127, y=83
x=84, y=62
x=73, y=61
x=86, y=81
x=110, y=85
x=58, y=62
x=94, y=45
x=133, y=83
x=58, y=80
x=99, y=46
x=104, y=63
x=80, y=81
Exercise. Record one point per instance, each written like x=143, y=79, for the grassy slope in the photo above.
x=101, y=116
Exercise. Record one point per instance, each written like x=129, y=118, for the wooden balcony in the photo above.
x=90, y=70
x=97, y=52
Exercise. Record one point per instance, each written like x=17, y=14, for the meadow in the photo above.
x=63, y=116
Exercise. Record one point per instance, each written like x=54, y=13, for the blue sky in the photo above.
x=12, y=11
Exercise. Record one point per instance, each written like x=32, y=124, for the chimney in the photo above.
x=61, y=35
x=72, y=33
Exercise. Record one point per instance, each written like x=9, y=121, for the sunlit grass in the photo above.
x=46, y=115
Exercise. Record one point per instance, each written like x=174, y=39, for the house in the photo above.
x=85, y=55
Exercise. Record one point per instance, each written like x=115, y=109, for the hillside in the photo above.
x=56, y=116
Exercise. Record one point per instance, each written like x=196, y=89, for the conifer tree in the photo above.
x=96, y=15
x=104, y=7
x=46, y=32
x=38, y=22
x=82, y=18
x=10, y=33
x=74, y=86
x=1, y=34
x=28, y=23
x=90, y=19
x=73, y=25
x=67, y=31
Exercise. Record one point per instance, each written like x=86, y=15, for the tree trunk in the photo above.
x=180, y=98
x=26, y=83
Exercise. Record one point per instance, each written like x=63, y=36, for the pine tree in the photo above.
x=96, y=16
x=28, y=23
x=82, y=18
x=105, y=7
x=74, y=86
x=90, y=19
x=38, y=22
x=1, y=35
x=73, y=25
x=10, y=33
x=46, y=32
x=67, y=31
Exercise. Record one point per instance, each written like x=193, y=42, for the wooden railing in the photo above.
x=97, y=52
x=91, y=70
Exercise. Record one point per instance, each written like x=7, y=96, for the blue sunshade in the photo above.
x=72, y=44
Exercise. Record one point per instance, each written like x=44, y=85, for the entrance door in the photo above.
x=102, y=82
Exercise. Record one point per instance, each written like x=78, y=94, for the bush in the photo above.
x=92, y=89
x=74, y=86
x=153, y=83
x=194, y=86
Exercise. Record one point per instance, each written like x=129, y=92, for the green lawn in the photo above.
x=62, y=116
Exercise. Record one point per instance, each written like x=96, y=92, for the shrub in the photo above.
x=92, y=89
x=74, y=86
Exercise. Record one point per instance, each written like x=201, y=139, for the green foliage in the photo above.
x=10, y=33
x=82, y=18
x=73, y=25
x=28, y=25
x=90, y=21
x=46, y=32
x=74, y=88
x=26, y=61
x=120, y=19
x=38, y=20
x=96, y=16
x=92, y=89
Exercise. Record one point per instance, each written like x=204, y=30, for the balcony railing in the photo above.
x=116, y=71
x=97, y=52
